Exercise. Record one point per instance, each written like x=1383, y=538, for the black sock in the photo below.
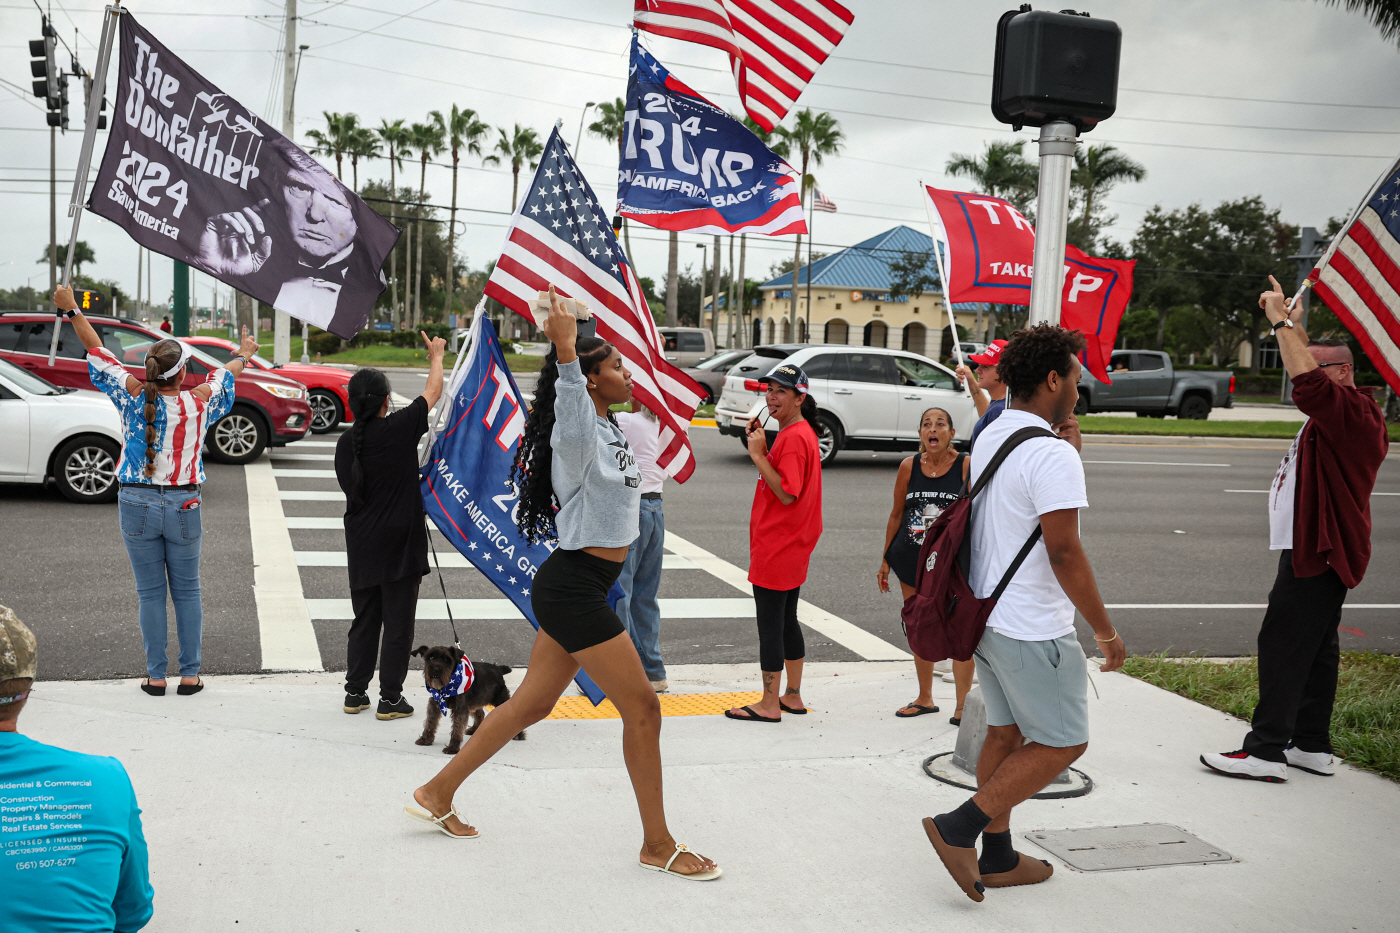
x=962, y=826
x=998, y=855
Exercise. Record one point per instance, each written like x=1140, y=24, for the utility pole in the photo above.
x=53, y=209
x=743, y=306
x=714, y=294
x=282, y=322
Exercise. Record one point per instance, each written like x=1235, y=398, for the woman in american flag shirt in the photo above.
x=160, y=471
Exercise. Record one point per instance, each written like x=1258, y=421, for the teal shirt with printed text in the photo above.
x=72, y=855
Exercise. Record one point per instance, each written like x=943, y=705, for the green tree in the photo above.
x=1001, y=171
x=1166, y=247
x=912, y=273
x=815, y=137
x=427, y=140
x=1097, y=169
x=363, y=144
x=339, y=133
x=83, y=254
x=518, y=147
x=462, y=130
x=396, y=137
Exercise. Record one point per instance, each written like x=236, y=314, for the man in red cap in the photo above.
x=988, y=392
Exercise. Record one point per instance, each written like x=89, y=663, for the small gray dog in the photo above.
x=488, y=689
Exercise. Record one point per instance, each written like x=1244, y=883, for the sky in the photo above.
x=1218, y=99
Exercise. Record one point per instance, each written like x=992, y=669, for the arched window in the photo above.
x=876, y=334
x=836, y=332
x=915, y=338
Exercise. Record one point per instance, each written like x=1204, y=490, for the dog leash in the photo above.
x=456, y=642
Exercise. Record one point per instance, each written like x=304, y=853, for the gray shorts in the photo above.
x=1038, y=686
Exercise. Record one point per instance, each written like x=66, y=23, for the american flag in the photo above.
x=774, y=46
x=1359, y=276
x=821, y=202
x=560, y=236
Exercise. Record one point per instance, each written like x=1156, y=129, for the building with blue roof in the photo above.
x=851, y=303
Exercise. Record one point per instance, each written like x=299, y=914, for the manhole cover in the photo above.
x=1116, y=848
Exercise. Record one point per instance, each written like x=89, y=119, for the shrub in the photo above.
x=324, y=343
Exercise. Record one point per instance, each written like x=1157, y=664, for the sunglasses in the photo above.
x=1325, y=365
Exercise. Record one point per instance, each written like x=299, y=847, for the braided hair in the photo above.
x=368, y=389
x=532, y=472
x=162, y=355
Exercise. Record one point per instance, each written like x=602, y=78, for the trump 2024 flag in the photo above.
x=194, y=175
x=688, y=165
x=466, y=484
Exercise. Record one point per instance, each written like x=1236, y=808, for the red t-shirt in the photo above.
x=781, y=537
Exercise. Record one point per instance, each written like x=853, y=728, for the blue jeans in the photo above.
x=162, y=541
x=640, y=580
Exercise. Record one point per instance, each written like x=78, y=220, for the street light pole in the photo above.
x=1057, y=141
x=578, y=140
x=704, y=267
x=282, y=322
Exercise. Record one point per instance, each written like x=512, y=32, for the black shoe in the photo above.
x=395, y=710
x=186, y=690
x=354, y=702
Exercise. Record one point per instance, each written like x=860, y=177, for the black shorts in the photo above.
x=570, y=599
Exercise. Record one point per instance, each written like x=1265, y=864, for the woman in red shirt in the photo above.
x=783, y=529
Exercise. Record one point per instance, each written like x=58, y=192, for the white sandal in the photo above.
x=710, y=875
x=423, y=816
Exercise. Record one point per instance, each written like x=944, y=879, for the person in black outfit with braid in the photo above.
x=926, y=485
x=376, y=464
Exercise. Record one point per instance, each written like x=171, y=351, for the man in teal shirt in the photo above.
x=72, y=856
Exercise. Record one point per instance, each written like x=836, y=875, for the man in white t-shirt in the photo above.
x=1029, y=662
x=640, y=580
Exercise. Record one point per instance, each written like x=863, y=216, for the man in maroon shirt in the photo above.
x=1320, y=522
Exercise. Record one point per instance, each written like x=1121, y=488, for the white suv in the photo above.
x=868, y=398
x=73, y=435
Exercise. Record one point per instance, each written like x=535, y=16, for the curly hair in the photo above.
x=367, y=390
x=162, y=355
x=532, y=474
x=1033, y=352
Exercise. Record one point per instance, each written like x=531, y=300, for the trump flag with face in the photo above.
x=192, y=174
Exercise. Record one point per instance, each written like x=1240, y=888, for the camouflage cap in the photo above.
x=18, y=650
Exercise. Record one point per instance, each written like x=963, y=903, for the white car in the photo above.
x=868, y=398
x=73, y=435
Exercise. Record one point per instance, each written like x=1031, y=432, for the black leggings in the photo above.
x=779, y=634
x=570, y=599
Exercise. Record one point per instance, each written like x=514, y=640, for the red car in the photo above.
x=268, y=410
x=329, y=386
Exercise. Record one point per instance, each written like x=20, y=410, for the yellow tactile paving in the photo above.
x=672, y=704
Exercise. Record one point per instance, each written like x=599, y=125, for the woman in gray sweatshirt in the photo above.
x=579, y=484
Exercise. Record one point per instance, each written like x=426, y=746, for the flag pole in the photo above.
x=935, y=225
x=94, y=110
x=1341, y=231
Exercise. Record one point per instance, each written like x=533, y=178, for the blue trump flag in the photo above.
x=466, y=481
x=688, y=165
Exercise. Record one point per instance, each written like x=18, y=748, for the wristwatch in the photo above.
x=1286, y=322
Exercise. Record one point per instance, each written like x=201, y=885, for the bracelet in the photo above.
x=1105, y=641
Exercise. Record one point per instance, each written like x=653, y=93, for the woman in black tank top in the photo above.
x=925, y=485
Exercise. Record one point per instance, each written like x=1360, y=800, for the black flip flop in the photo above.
x=153, y=691
x=922, y=710
x=751, y=717
x=788, y=709
x=185, y=690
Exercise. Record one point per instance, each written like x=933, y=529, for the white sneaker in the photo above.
x=1312, y=762
x=948, y=678
x=1241, y=764
x=943, y=667
x=660, y=686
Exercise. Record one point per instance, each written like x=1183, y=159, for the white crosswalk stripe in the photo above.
x=304, y=474
x=453, y=559
x=721, y=608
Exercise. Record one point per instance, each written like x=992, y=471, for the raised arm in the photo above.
x=437, y=348
x=63, y=300
x=980, y=398
x=1292, y=340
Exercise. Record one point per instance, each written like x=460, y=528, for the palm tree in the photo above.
x=395, y=136
x=518, y=148
x=612, y=126
x=427, y=139
x=1383, y=14
x=1096, y=170
x=463, y=131
x=1001, y=171
x=815, y=136
x=363, y=144
x=340, y=128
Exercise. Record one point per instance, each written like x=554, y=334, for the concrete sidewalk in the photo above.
x=268, y=809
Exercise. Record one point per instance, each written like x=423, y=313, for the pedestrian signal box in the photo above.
x=90, y=301
x=1055, y=66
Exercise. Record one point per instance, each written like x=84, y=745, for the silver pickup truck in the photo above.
x=1144, y=381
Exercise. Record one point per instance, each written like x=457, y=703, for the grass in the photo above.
x=378, y=354
x=1365, y=721
x=705, y=411
x=1099, y=424
x=1258, y=399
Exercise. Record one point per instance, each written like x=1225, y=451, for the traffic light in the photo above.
x=44, y=68
x=87, y=101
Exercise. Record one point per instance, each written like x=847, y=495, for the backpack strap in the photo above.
x=1016, y=564
x=1008, y=445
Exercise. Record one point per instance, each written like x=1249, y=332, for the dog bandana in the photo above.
x=459, y=683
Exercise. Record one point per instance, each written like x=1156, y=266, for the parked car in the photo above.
x=328, y=387
x=72, y=435
x=710, y=373
x=1144, y=381
x=686, y=346
x=268, y=410
x=868, y=398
